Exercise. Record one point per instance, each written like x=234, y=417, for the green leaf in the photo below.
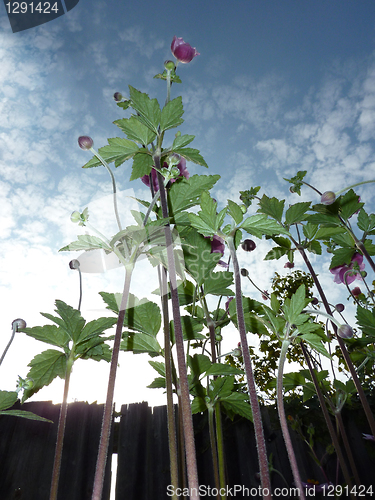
x=182, y=140
x=157, y=383
x=309, y=230
x=222, y=387
x=349, y=204
x=86, y=242
x=142, y=315
x=315, y=342
x=328, y=220
x=235, y=212
x=199, y=260
x=297, y=181
x=171, y=114
x=366, y=321
x=185, y=193
x=296, y=212
x=135, y=130
x=314, y=247
x=202, y=226
x=118, y=150
x=276, y=253
x=238, y=404
x=25, y=414
x=140, y=343
x=198, y=405
x=142, y=164
x=148, y=109
x=95, y=328
x=94, y=348
x=7, y=399
x=45, y=367
x=199, y=364
x=190, y=329
x=260, y=225
x=296, y=305
x=272, y=207
x=73, y=322
x=247, y=196
x=159, y=366
x=342, y=256
x=191, y=154
x=50, y=334
x=223, y=369
x=217, y=283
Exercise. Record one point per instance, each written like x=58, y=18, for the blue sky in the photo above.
x=278, y=87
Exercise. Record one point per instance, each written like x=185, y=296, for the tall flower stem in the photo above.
x=107, y=415
x=61, y=430
x=327, y=418
x=283, y=420
x=14, y=329
x=255, y=408
x=220, y=447
x=191, y=462
x=349, y=364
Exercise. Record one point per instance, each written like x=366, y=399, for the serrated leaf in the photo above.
x=260, y=225
x=217, y=284
x=276, y=253
x=7, y=399
x=142, y=315
x=25, y=414
x=186, y=193
x=142, y=165
x=198, y=405
x=199, y=364
x=310, y=230
x=342, y=256
x=272, y=207
x=86, y=242
x=237, y=403
x=118, y=150
x=159, y=366
x=349, y=204
x=296, y=212
x=73, y=322
x=171, y=114
x=191, y=154
x=199, y=260
x=94, y=348
x=140, y=343
x=316, y=343
x=297, y=181
x=314, y=247
x=223, y=369
x=191, y=328
x=182, y=140
x=157, y=383
x=235, y=212
x=205, y=228
x=95, y=327
x=148, y=109
x=222, y=387
x=296, y=305
x=45, y=367
x=50, y=334
x=247, y=196
x=135, y=130
x=366, y=321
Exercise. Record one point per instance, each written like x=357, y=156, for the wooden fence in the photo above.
x=140, y=441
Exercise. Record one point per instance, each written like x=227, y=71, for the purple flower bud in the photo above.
x=85, y=142
x=244, y=272
x=117, y=96
x=339, y=307
x=248, y=245
x=183, y=173
x=345, y=332
x=169, y=65
x=265, y=295
x=217, y=245
x=289, y=265
x=18, y=324
x=315, y=301
x=74, y=264
x=328, y=198
x=183, y=51
x=356, y=292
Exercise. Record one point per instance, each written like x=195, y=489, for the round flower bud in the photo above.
x=289, y=265
x=243, y=208
x=169, y=65
x=182, y=50
x=74, y=264
x=117, y=96
x=18, y=324
x=244, y=272
x=328, y=198
x=85, y=142
x=315, y=301
x=248, y=245
x=339, y=307
x=356, y=292
x=345, y=332
x=218, y=337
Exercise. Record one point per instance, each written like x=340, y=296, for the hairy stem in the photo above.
x=187, y=418
x=220, y=448
x=61, y=431
x=211, y=427
x=283, y=421
x=107, y=414
x=255, y=408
